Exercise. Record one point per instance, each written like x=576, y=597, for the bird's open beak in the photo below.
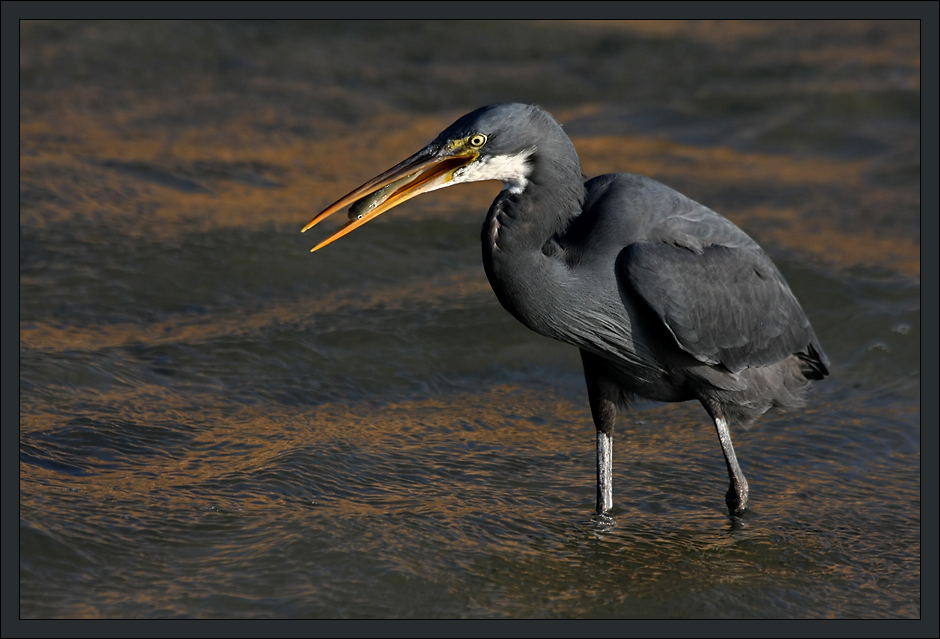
x=428, y=169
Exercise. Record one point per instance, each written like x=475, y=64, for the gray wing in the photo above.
x=723, y=304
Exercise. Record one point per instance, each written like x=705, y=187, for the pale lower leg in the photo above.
x=605, y=481
x=736, y=497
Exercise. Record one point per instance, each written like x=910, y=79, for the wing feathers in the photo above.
x=723, y=304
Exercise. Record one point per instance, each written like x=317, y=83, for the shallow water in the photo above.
x=215, y=423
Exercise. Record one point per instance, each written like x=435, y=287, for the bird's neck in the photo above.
x=521, y=254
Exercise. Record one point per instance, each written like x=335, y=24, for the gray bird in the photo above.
x=665, y=298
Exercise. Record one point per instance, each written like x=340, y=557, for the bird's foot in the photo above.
x=736, y=498
x=603, y=521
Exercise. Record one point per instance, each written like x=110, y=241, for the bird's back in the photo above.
x=706, y=307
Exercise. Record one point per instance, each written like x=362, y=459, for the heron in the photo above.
x=666, y=299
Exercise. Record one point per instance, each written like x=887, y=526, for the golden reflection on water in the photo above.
x=238, y=440
x=185, y=328
x=69, y=156
x=541, y=440
x=635, y=566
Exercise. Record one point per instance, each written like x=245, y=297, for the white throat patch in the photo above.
x=512, y=170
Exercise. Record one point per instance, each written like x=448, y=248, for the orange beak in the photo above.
x=429, y=169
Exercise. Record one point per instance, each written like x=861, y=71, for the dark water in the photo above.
x=215, y=423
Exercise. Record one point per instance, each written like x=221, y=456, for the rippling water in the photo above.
x=215, y=423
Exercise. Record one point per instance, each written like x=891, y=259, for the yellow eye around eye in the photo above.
x=477, y=139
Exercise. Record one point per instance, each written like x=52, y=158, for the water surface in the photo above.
x=215, y=423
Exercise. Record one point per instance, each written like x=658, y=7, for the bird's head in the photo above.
x=495, y=142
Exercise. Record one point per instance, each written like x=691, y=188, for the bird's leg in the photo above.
x=736, y=497
x=605, y=468
x=601, y=394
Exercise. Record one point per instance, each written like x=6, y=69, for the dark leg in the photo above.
x=604, y=411
x=736, y=497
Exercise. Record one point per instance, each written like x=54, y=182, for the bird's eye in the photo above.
x=477, y=140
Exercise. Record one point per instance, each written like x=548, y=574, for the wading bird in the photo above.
x=666, y=299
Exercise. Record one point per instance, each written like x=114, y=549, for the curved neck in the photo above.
x=523, y=260
x=552, y=196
